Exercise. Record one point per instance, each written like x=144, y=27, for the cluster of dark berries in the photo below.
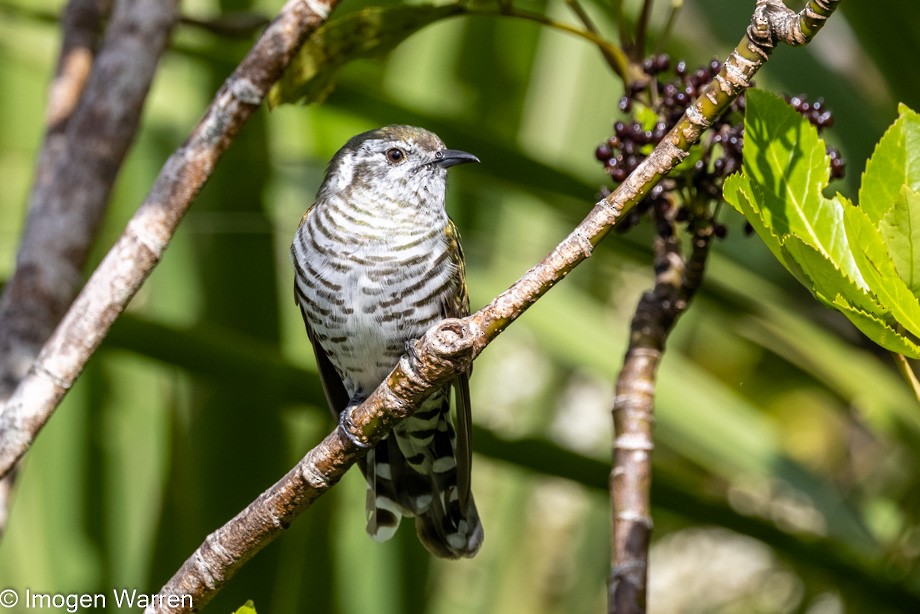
x=719, y=152
x=820, y=117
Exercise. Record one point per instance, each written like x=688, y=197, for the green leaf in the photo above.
x=785, y=157
x=832, y=247
x=812, y=267
x=893, y=164
x=826, y=280
x=247, y=608
x=783, y=154
x=900, y=228
x=739, y=192
x=878, y=330
x=366, y=33
x=878, y=270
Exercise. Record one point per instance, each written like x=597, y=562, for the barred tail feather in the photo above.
x=448, y=531
x=414, y=473
x=383, y=511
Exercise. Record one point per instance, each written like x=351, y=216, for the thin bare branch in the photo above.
x=87, y=138
x=27, y=317
x=133, y=257
x=638, y=51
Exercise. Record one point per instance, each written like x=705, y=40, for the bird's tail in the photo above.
x=414, y=472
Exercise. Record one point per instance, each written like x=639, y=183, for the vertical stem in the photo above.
x=641, y=30
x=622, y=26
x=907, y=373
x=633, y=419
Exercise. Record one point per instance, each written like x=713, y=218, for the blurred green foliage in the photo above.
x=787, y=446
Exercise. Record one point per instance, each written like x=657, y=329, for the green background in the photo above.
x=786, y=446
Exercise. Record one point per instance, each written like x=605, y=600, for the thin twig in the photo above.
x=638, y=50
x=907, y=373
x=613, y=54
x=619, y=18
x=676, y=6
x=615, y=61
x=231, y=25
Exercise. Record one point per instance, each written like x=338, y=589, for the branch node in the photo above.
x=774, y=22
x=203, y=567
x=451, y=338
x=697, y=118
x=318, y=8
x=583, y=242
x=633, y=517
x=59, y=381
x=246, y=91
x=313, y=476
x=735, y=75
x=633, y=442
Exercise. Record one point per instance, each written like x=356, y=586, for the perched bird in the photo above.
x=378, y=262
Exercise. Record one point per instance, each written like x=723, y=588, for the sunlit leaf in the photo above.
x=247, y=608
x=367, y=33
x=893, y=164
x=900, y=228
x=827, y=281
x=783, y=155
x=739, y=192
x=831, y=246
x=878, y=270
x=878, y=330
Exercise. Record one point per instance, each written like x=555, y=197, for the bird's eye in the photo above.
x=395, y=155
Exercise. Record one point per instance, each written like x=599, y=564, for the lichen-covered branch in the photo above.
x=140, y=247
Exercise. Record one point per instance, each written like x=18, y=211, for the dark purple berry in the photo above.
x=603, y=152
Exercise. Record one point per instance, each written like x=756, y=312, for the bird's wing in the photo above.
x=336, y=396
x=458, y=306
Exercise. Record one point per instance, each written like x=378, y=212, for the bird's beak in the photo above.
x=452, y=157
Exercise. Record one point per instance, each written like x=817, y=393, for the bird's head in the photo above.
x=402, y=162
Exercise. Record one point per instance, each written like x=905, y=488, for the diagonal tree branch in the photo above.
x=452, y=345
x=133, y=257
